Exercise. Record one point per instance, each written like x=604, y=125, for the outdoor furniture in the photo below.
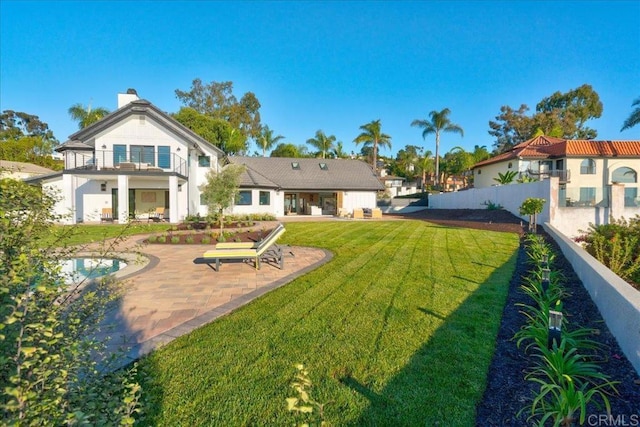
x=127, y=167
x=265, y=249
x=358, y=213
x=106, y=215
x=372, y=213
x=158, y=215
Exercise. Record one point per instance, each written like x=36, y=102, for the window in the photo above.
x=631, y=197
x=203, y=202
x=588, y=167
x=119, y=154
x=624, y=174
x=244, y=198
x=587, y=195
x=295, y=165
x=265, y=198
x=479, y=171
x=164, y=156
x=323, y=166
x=143, y=154
x=204, y=161
x=510, y=165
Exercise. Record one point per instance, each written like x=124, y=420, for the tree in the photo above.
x=506, y=178
x=372, y=136
x=532, y=207
x=216, y=100
x=86, y=116
x=634, y=118
x=406, y=161
x=480, y=153
x=559, y=115
x=286, y=150
x=459, y=162
x=322, y=142
x=266, y=140
x=338, y=151
x=572, y=110
x=51, y=369
x=220, y=191
x=427, y=166
x=438, y=122
x=25, y=138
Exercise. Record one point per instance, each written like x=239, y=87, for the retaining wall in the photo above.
x=618, y=302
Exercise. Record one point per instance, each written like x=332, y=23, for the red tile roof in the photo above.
x=543, y=147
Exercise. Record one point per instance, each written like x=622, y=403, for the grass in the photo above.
x=84, y=233
x=398, y=329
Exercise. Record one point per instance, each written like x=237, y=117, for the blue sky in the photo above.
x=325, y=65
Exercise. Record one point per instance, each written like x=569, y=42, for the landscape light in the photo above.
x=545, y=261
x=555, y=328
x=546, y=279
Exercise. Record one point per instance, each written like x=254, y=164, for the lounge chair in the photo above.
x=358, y=214
x=265, y=249
x=106, y=215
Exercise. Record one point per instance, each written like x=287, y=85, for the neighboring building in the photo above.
x=585, y=168
x=303, y=186
x=133, y=161
x=20, y=170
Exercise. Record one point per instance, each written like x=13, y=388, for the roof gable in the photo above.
x=310, y=174
x=147, y=109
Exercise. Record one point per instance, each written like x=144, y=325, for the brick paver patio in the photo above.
x=171, y=295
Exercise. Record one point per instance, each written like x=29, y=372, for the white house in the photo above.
x=304, y=186
x=133, y=161
x=139, y=159
x=584, y=168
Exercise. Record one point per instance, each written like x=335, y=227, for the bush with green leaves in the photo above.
x=617, y=246
x=532, y=206
x=53, y=370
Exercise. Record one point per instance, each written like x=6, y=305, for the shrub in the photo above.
x=152, y=239
x=492, y=206
x=52, y=372
x=206, y=240
x=162, y=238
x=175, y=239
x=188, y=239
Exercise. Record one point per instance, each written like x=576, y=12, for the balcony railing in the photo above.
x=105, y=160
x=564, y=176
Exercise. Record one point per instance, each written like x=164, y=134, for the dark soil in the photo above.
x=507, y=391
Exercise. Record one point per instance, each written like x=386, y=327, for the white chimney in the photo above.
x=126, y=98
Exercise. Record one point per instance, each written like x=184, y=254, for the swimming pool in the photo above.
x=77, y=270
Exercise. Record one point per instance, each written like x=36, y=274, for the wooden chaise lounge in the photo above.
x=256, y=251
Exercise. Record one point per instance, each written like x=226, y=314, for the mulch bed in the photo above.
x=195, y=237
x=507, y=391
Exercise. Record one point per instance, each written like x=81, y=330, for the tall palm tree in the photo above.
x=86, y=116
x=439, y=122
x=426, y=166
x=634, y=118
x=322, y=142
x=266, y=140
x=372, y=136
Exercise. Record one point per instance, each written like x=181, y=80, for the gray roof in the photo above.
x=278, y=172
x=142, y=106
x=74, y=145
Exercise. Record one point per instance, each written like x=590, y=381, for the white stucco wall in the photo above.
x=276, y=203
x=358, y=199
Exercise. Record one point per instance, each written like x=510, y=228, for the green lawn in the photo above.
x=398, y=329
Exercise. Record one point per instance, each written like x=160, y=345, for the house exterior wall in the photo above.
x=359, y=199
x=484, y=175
x=275, y=206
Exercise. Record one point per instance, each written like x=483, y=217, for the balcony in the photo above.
x=105, y=160
x=564, y=176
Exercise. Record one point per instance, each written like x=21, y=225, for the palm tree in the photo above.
x=86, y=116
x=373, y=136
x=439, y=122
x=426, y=165
x=338, y=151
x=634, y=118
x=322, y=142
x=266, y=140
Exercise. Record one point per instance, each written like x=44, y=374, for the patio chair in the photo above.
x=158, y=215
x=106, y=215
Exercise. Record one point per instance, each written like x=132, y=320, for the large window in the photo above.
x=143, y=154
x=624, y=174
x=588, y=167
x=265, y=198
x=631, y=197
x=244, y=198
x=204, y=161
x=119, y=154
x=164, y=156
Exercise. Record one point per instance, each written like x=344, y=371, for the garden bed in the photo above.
x=206, y=237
